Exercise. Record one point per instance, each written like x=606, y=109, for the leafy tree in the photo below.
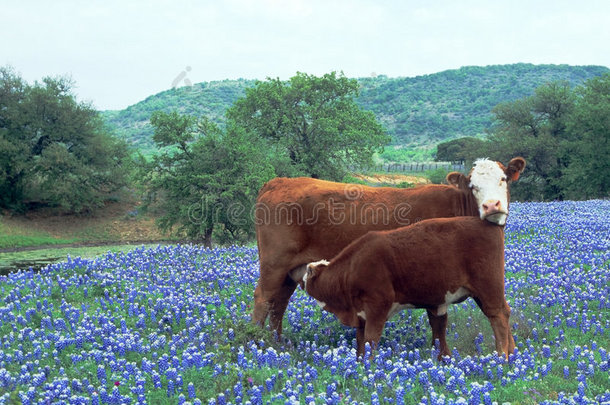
x=206, y=179
x=312, y=121
x=564, y=135
x=459, y=150
x=534, y=127
x=53, y=149
x=13, y=148
x=588, y=147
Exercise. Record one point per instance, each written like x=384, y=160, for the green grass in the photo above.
x=40, y=239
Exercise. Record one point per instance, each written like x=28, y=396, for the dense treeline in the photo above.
x=205, y=174
x=416, y=112
x=54, y=151
x=564, y=134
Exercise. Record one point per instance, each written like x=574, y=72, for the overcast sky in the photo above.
x=119, y=52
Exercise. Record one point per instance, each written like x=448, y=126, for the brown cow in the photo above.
x=428, y=265
x=302, y=220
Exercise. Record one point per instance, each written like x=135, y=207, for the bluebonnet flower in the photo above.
x=566, y=252
x=191, y=390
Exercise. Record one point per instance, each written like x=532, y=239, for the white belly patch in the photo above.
x=397, y=307
x=450, y=298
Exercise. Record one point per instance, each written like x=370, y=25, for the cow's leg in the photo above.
x=261, y=307
x=498, y=314
x=272, y=294
x=278, y=303
x=438, y=323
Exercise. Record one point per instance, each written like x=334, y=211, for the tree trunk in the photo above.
x=207, y=238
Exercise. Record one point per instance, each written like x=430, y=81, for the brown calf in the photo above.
x=428, y=265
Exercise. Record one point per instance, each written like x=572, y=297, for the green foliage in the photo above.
x=459, y=150
x=587, y=148
x=206, y=178
x=416, y=112
x=396, y=153
x=54, y=150
x=562, y=132
x=437, y=176
x=313, y=121
x=210, y=100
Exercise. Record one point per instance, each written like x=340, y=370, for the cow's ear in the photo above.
x=457, y=179
x=515, y=168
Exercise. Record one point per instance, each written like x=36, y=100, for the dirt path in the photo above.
x=391, y=179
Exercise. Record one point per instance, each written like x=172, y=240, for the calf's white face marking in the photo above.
x=311, y=267
x=489, y=184
x=319, y=262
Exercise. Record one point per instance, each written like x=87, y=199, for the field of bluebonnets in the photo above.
x=171, y=325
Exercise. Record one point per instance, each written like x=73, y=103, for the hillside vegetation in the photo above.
x=416, y=112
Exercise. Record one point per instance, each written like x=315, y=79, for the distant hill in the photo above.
x=416, y=111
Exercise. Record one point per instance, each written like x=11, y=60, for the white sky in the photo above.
x=119, y=51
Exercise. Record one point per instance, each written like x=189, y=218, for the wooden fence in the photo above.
x=417, y=167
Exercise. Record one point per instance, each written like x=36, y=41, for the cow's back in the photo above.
x=317, y=218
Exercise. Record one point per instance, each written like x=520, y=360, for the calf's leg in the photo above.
x=360, y=338
x=373, y=327
x=438, y=323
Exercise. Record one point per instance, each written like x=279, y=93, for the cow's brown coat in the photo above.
x=416, y=265
x=295, y=226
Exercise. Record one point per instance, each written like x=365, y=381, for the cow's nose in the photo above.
x=491, y=207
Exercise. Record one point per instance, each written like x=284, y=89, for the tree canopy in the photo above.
x=562, y=132
x=207, y=179
x=312, y=121
x=54, y=150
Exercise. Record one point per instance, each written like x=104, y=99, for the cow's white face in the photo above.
x=489, y=185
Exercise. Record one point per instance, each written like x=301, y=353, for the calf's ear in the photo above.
x=515, y=168
x=457, y=179
x=297, y=273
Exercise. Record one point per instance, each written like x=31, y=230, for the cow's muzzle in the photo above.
x=493, y=211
